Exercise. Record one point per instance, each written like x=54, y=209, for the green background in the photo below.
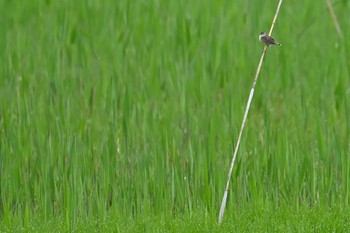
x=123, y=115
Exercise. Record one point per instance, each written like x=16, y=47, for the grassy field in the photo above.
x=121, y=116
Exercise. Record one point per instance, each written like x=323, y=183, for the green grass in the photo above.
x=249, y=219
x=122, y=116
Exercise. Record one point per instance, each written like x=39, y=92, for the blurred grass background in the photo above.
x=132, y=108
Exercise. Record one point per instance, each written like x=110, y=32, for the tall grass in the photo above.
x=132, y=108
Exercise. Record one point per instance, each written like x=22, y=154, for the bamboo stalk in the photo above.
x=224, y=199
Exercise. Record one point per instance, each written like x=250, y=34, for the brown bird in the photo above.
x=268, y=40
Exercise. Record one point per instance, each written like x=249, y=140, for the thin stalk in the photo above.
x=334, y=17
x=224, y=199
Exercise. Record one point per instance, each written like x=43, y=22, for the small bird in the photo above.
x=268, y=40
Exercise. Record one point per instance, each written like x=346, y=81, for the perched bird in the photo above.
x=267, y=40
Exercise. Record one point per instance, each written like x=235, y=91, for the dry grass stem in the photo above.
x=224, y=199
x=334, y=18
